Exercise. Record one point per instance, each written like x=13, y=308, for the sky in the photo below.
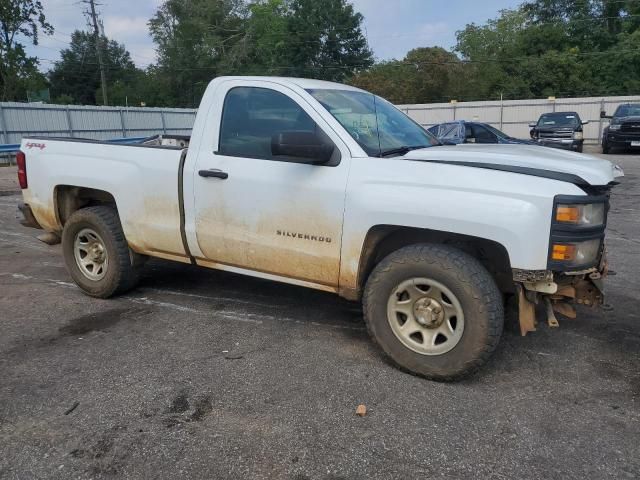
x=392, y=27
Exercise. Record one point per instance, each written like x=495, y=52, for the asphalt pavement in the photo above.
x=206, y=374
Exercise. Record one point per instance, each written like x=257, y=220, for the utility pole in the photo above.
x=98, y=40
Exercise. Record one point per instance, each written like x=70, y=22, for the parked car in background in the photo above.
x=624, y=129
x=559, y=130
x=472, y=132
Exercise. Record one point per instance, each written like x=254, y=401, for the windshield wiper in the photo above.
x=401, y=150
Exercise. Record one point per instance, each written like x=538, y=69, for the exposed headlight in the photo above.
x=576, y=253
x=614, y=126
x=578, y=136
x=582, y=215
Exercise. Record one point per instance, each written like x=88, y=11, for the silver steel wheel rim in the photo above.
x=425, y=316
x=90, y=254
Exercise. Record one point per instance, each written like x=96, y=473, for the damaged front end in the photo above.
x=576, y=265
x=557, y=292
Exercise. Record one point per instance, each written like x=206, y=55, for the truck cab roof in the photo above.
x=304, y=83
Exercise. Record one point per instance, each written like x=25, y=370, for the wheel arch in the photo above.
x=381, y=240
x=70, y=198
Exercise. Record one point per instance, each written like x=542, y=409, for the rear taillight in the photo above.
x=21, y=160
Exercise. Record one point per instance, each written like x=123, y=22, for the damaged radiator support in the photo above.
x=558, y=296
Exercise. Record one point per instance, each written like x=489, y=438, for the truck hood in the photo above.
x=526, y=159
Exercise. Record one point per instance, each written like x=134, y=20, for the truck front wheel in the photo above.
x=96, y=252
x=434, y=310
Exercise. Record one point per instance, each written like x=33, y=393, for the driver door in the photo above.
x=269, y=214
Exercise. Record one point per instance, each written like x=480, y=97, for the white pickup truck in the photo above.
x=330, y=187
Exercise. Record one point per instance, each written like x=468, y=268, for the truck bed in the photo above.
x=143, y=182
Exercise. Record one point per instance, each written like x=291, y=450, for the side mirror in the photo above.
x=303, y=146
x=585, y=122
x=603, y=114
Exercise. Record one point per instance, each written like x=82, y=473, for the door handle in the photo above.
x=213, y=172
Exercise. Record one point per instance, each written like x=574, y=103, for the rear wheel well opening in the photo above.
x=69, y=199
x=382, y=240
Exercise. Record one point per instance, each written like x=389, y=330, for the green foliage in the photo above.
x=194, y=38
x=19, y=72
x=63, y=99
x=543, y=48
x=77, y=75
x=425, y=75
x=312, y=38
x=325, y=40
x=556, y=47
x=264, y=47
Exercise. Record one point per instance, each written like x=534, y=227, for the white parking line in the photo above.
x=224, y=314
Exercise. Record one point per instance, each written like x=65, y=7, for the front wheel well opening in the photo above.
x=69, y=199
x=385, y=239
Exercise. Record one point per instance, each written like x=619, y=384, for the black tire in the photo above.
x=467, y=279
x=123, y=269
x=605, y=148
x=579, y=148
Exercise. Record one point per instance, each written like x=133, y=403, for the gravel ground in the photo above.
x=205, y=374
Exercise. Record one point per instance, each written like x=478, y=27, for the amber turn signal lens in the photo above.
x=563, y=252
x=567, y=213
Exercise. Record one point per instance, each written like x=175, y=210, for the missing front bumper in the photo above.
x=557, y=293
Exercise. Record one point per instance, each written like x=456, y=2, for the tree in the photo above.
x=326, y=41
x=593, y=24
x=18, y=71
x=77, y=74
x=191, y=47
x=264, y=47
x=314, y=38
x=425, y=75
x=555, y=47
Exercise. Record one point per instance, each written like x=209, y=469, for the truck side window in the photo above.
x=252, y=115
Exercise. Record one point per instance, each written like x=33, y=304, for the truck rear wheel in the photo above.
x=96, y=252
x=434, y=310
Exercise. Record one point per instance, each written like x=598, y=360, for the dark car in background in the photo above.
x=471, y=132
x=624, y=129
x=559, y=130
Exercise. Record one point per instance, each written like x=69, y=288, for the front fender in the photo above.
x=510, y=209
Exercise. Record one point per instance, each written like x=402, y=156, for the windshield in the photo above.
x=374, y=123
x=558, y=120
x=628, y=111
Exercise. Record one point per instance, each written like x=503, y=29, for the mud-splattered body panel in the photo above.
x=142, y=181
